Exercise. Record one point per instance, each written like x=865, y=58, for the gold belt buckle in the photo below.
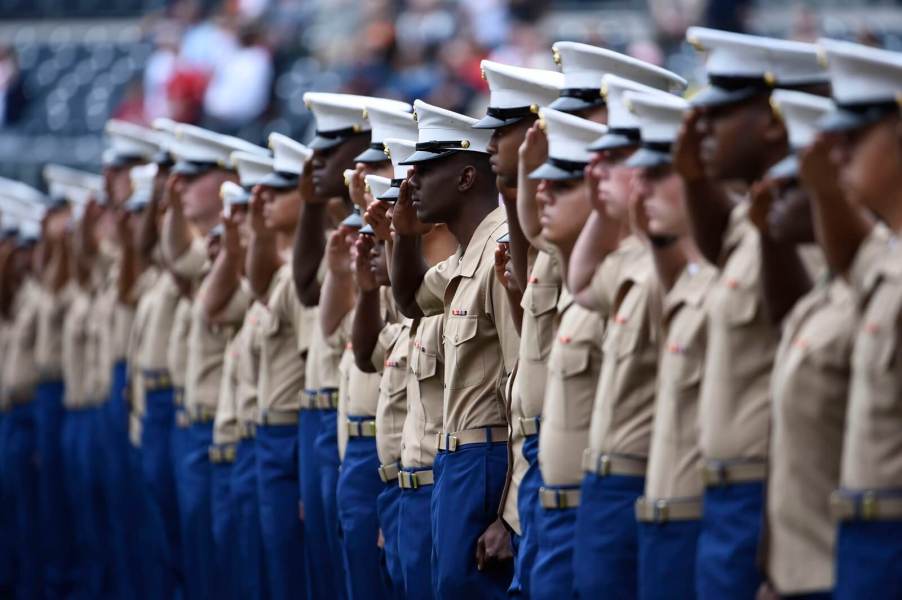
x=868, y=507
x=661, y=511
x=603, y=465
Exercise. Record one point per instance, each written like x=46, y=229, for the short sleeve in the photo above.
x=604, y=282
x=234, y=311
x=431, y=294
x=192, y=263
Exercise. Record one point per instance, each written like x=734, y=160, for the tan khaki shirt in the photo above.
x=225, y=425
x=674, y=464
x=425, y=393
x=323, y=358
x=873, y=437
x=574, y=366
x=810, y=385
x=177, y=353
x=78, y=364
x=207, y=343
x=154, y=321
x=390, y=356
x=285, y=339
x=249, y=343
x=20, y=371
x=480, y=338
x=624, y=401
x=735, y=399
x=527, y=390
x=52, y=308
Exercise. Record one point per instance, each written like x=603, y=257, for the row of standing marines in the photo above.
x=603, y=342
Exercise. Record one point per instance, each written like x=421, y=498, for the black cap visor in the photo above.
x=555, y=169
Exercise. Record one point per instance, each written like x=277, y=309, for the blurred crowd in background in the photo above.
x=241, y=66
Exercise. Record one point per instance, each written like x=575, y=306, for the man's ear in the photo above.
x=466, y=179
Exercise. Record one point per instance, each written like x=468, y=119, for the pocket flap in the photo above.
x=540, y=298
x=574, y=360
x=459, y=330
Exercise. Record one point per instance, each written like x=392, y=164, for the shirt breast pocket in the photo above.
x=396, y=379
x=578, y=389
x=422, y=364
x=463, y=359
x=874, y=360
x=539, y=304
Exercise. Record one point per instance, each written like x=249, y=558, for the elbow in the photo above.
x=363, y=361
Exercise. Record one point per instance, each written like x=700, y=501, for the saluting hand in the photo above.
x=377, y=217
x=404, y=217
x=816, y=169
x=687, y=149
x=534, y=149
x=255, y=218
x=338, y=252
x=762, y=197
x=363, y=267
x=231, y=236
x=503, y=270
x=636, y=208
x=306, y=187
x=357, y=187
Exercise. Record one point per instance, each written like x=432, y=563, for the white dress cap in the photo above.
x=623, y=126
x=128, y=142
x=340, y=116
x=21, y=201
x=386, y=123
x=442, y=132
x=73, y=185
x=660, y=119
x=801, y=113
x=740, y=65
x=233, y=194
x=141, y=178
x=866, y=83
x=569, y=137
x=252, y=168
x=398, y=151
x=289, y=157
x=584, y=66
x=197, y=149
x=378, y=185
x=165, y=129
x=517, y=92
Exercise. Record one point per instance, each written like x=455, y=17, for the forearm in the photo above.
x=58, y=267
x=336, y=301
x=407, y=272
x=514, y=298
x=262, y=263
x=527, y=215
x=309, y=248
x=176, y=234
x=709, y=209
x=224, y=280
x=784, y=279
x=519, y=245
x=841, y=228
x=128, y=275
x=590, y=250
x=365, y=329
